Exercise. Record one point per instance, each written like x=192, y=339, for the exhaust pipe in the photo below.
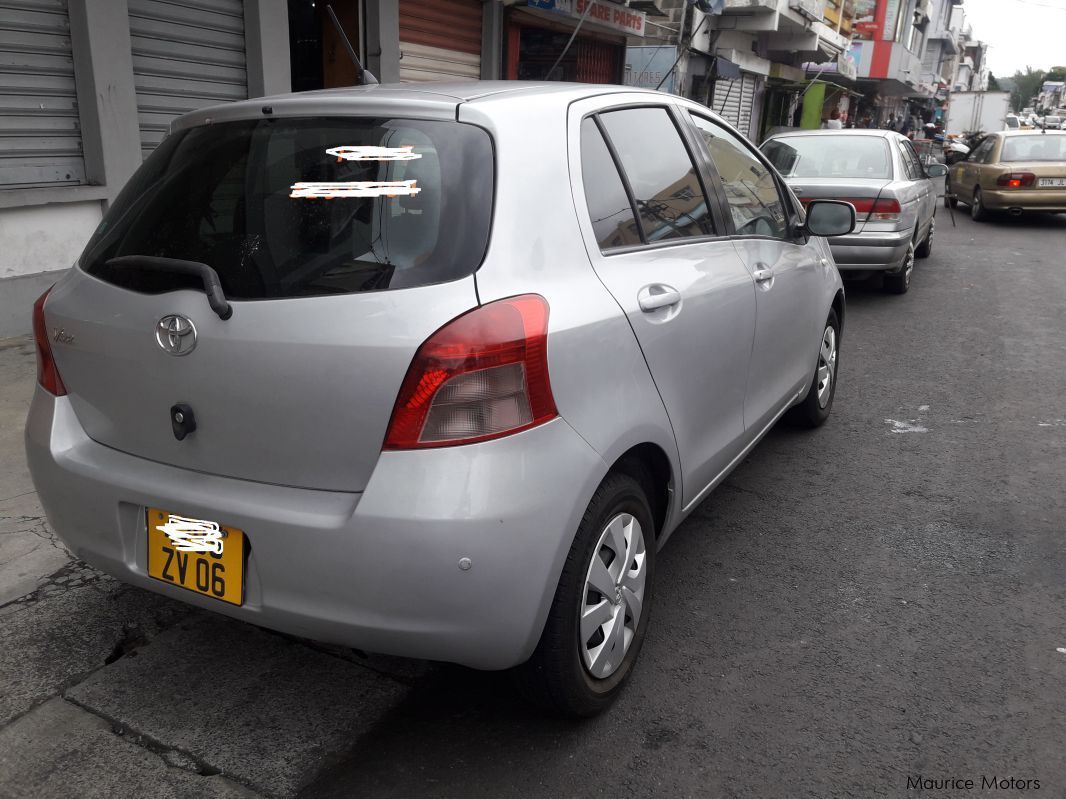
x=1015, y=211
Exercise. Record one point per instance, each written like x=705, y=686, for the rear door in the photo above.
x=789, y=274
x=923, y=189
x=655, y=243
x=341, y=244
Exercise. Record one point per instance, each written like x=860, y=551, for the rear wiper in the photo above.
x=212, y=285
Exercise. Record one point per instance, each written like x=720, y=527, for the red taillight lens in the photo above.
x=865, y=208
x=47, y=373
x=1016, y=180
x=483, y=375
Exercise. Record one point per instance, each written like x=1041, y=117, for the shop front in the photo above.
x=536, y=38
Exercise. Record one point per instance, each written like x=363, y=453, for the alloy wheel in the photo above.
x=975, y=206
x=827, y=365
x=613, y=598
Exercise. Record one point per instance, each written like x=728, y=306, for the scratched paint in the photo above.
x=193, y=535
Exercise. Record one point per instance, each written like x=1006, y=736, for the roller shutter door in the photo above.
x=40, y=135
x=440, y=40
x=187, y=54
x=734, y=99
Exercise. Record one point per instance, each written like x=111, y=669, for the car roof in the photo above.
x=882, y=134
x=430, y=98
x=1013, y=133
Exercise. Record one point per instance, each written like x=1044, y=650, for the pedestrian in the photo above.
x=834, y=123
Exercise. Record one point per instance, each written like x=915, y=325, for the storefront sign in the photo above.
x=609, y=15
x=647, y=66
x=865, y=25
x=891, y=18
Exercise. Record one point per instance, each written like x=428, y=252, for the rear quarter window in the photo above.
x=304, y=207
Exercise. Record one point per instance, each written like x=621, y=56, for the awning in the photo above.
x=724, y=68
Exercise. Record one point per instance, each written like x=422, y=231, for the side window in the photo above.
x=609, y=208
x=989, y=154
x=666, y=189
x=754, y=201
x=910, y=164
x=983, y=149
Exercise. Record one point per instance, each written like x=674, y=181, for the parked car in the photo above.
x=1053, y=122
x=879, y=173
x=1013, y=171
x=431, y=370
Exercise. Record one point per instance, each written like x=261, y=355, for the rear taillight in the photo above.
x=47, y=373
x=483, y=375
x=1016, y=180
x=867, y=209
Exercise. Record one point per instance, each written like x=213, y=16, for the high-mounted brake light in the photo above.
x=47, y=373
x=482, y=376
x=1016, y=180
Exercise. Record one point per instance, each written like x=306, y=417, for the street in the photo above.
x=856, y=608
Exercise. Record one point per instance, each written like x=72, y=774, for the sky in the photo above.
x=1020, y=33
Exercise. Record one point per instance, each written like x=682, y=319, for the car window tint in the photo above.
x=609, y=207
x=298, y=207
x=754, y=201
x=665, y=186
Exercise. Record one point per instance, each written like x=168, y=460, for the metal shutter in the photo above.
x=187, y=54
x=727, y=100
x=40, y=136
x=747, y=102
x=440, y=40
x=734, y=99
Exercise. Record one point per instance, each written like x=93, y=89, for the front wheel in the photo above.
x=599, y=616
x=815, y=408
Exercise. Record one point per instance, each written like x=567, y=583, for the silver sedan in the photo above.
x=432, y=371
x=879, y=173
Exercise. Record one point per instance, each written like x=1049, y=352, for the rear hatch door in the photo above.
x=331, y=297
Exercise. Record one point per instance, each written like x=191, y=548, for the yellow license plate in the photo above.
x=197, y=554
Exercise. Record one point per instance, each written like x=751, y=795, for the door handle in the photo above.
x=762, y=274
x=657, y=295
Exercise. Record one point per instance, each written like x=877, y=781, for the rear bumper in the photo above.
x=1037, y=200
x=872, y=250
x=377, y=570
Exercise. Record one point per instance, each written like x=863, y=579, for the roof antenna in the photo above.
x=365, y=76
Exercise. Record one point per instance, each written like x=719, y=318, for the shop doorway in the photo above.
x=318, y=57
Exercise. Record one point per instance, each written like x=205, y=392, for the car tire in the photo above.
x=900, y=283
x=925, y=249
x=977, y=208
x=814, y=409
x=566, y=674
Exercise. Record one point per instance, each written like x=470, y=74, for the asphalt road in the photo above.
x=879, y=601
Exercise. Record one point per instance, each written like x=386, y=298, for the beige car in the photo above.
x=1016, y=171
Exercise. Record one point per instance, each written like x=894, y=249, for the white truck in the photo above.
x=974, y=112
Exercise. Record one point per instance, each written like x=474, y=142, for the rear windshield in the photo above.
x=304, y=207
x=1037, y=147
x=830, y=156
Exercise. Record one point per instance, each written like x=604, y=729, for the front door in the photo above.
x=788, y=275
x=684, y=289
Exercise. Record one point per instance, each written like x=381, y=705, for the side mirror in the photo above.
x=936, y=171
x=829, y=218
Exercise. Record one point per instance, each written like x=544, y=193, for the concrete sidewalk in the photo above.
x=110, y=691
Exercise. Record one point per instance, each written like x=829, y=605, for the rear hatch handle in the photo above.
x=212, y=285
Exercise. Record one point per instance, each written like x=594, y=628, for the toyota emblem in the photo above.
x=176, y=334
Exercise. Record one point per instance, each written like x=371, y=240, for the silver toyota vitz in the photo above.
x=430, y=370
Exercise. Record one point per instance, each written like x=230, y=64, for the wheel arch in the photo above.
x=649, y=464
